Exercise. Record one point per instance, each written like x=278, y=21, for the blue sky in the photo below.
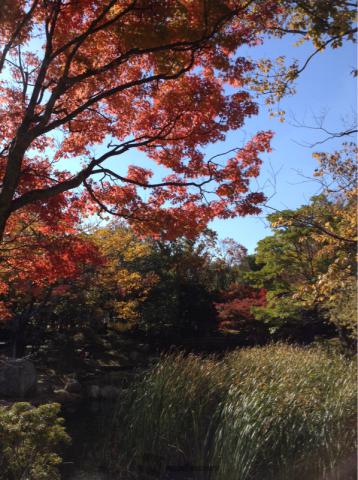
x=325, y=87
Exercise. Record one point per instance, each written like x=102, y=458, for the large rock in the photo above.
x=64, y=397
x=18, y=377
x=73, y=386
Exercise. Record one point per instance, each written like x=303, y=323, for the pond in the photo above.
x=92, y=451
x=90, y=429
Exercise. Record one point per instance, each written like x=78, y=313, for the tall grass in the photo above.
x=269, y=412
x=287, y=414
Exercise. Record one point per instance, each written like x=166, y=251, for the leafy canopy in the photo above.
x=76, y=75
x=308, y=265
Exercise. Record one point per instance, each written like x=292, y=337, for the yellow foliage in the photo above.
x=121, y=274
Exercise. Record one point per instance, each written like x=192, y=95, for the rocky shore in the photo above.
x=38, y=380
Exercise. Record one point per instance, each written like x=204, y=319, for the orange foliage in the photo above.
x=144, y=74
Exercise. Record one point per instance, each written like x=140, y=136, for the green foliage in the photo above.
x=289, y=262
x=308, y=265
x=181, y=303
x=29, y=442
x=343, y=312
x=324, y=23
x=285, y=411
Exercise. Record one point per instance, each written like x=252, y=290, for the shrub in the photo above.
x=272, y=412
x=29, y=440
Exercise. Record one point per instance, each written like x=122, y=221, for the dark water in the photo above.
x=91, y=450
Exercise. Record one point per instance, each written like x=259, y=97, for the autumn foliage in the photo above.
x=85, y=82
x=235, y=309
x=145, y=75
x=45, y=248
x=88, y=86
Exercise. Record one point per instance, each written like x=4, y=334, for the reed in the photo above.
x=268, y=412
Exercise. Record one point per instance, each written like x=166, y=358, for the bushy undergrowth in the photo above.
x=29, y=442
x=260, y=413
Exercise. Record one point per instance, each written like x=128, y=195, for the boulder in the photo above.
x=64, y=397
x=73, y=386
x=18, y=377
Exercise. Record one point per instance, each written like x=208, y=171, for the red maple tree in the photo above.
x=135, y=74
x=235, y=309
x=45, y=247
x=129, y=74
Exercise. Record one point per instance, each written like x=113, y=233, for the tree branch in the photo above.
x=16, y=33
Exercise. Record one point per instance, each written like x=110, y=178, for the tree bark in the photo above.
x=12, y=177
